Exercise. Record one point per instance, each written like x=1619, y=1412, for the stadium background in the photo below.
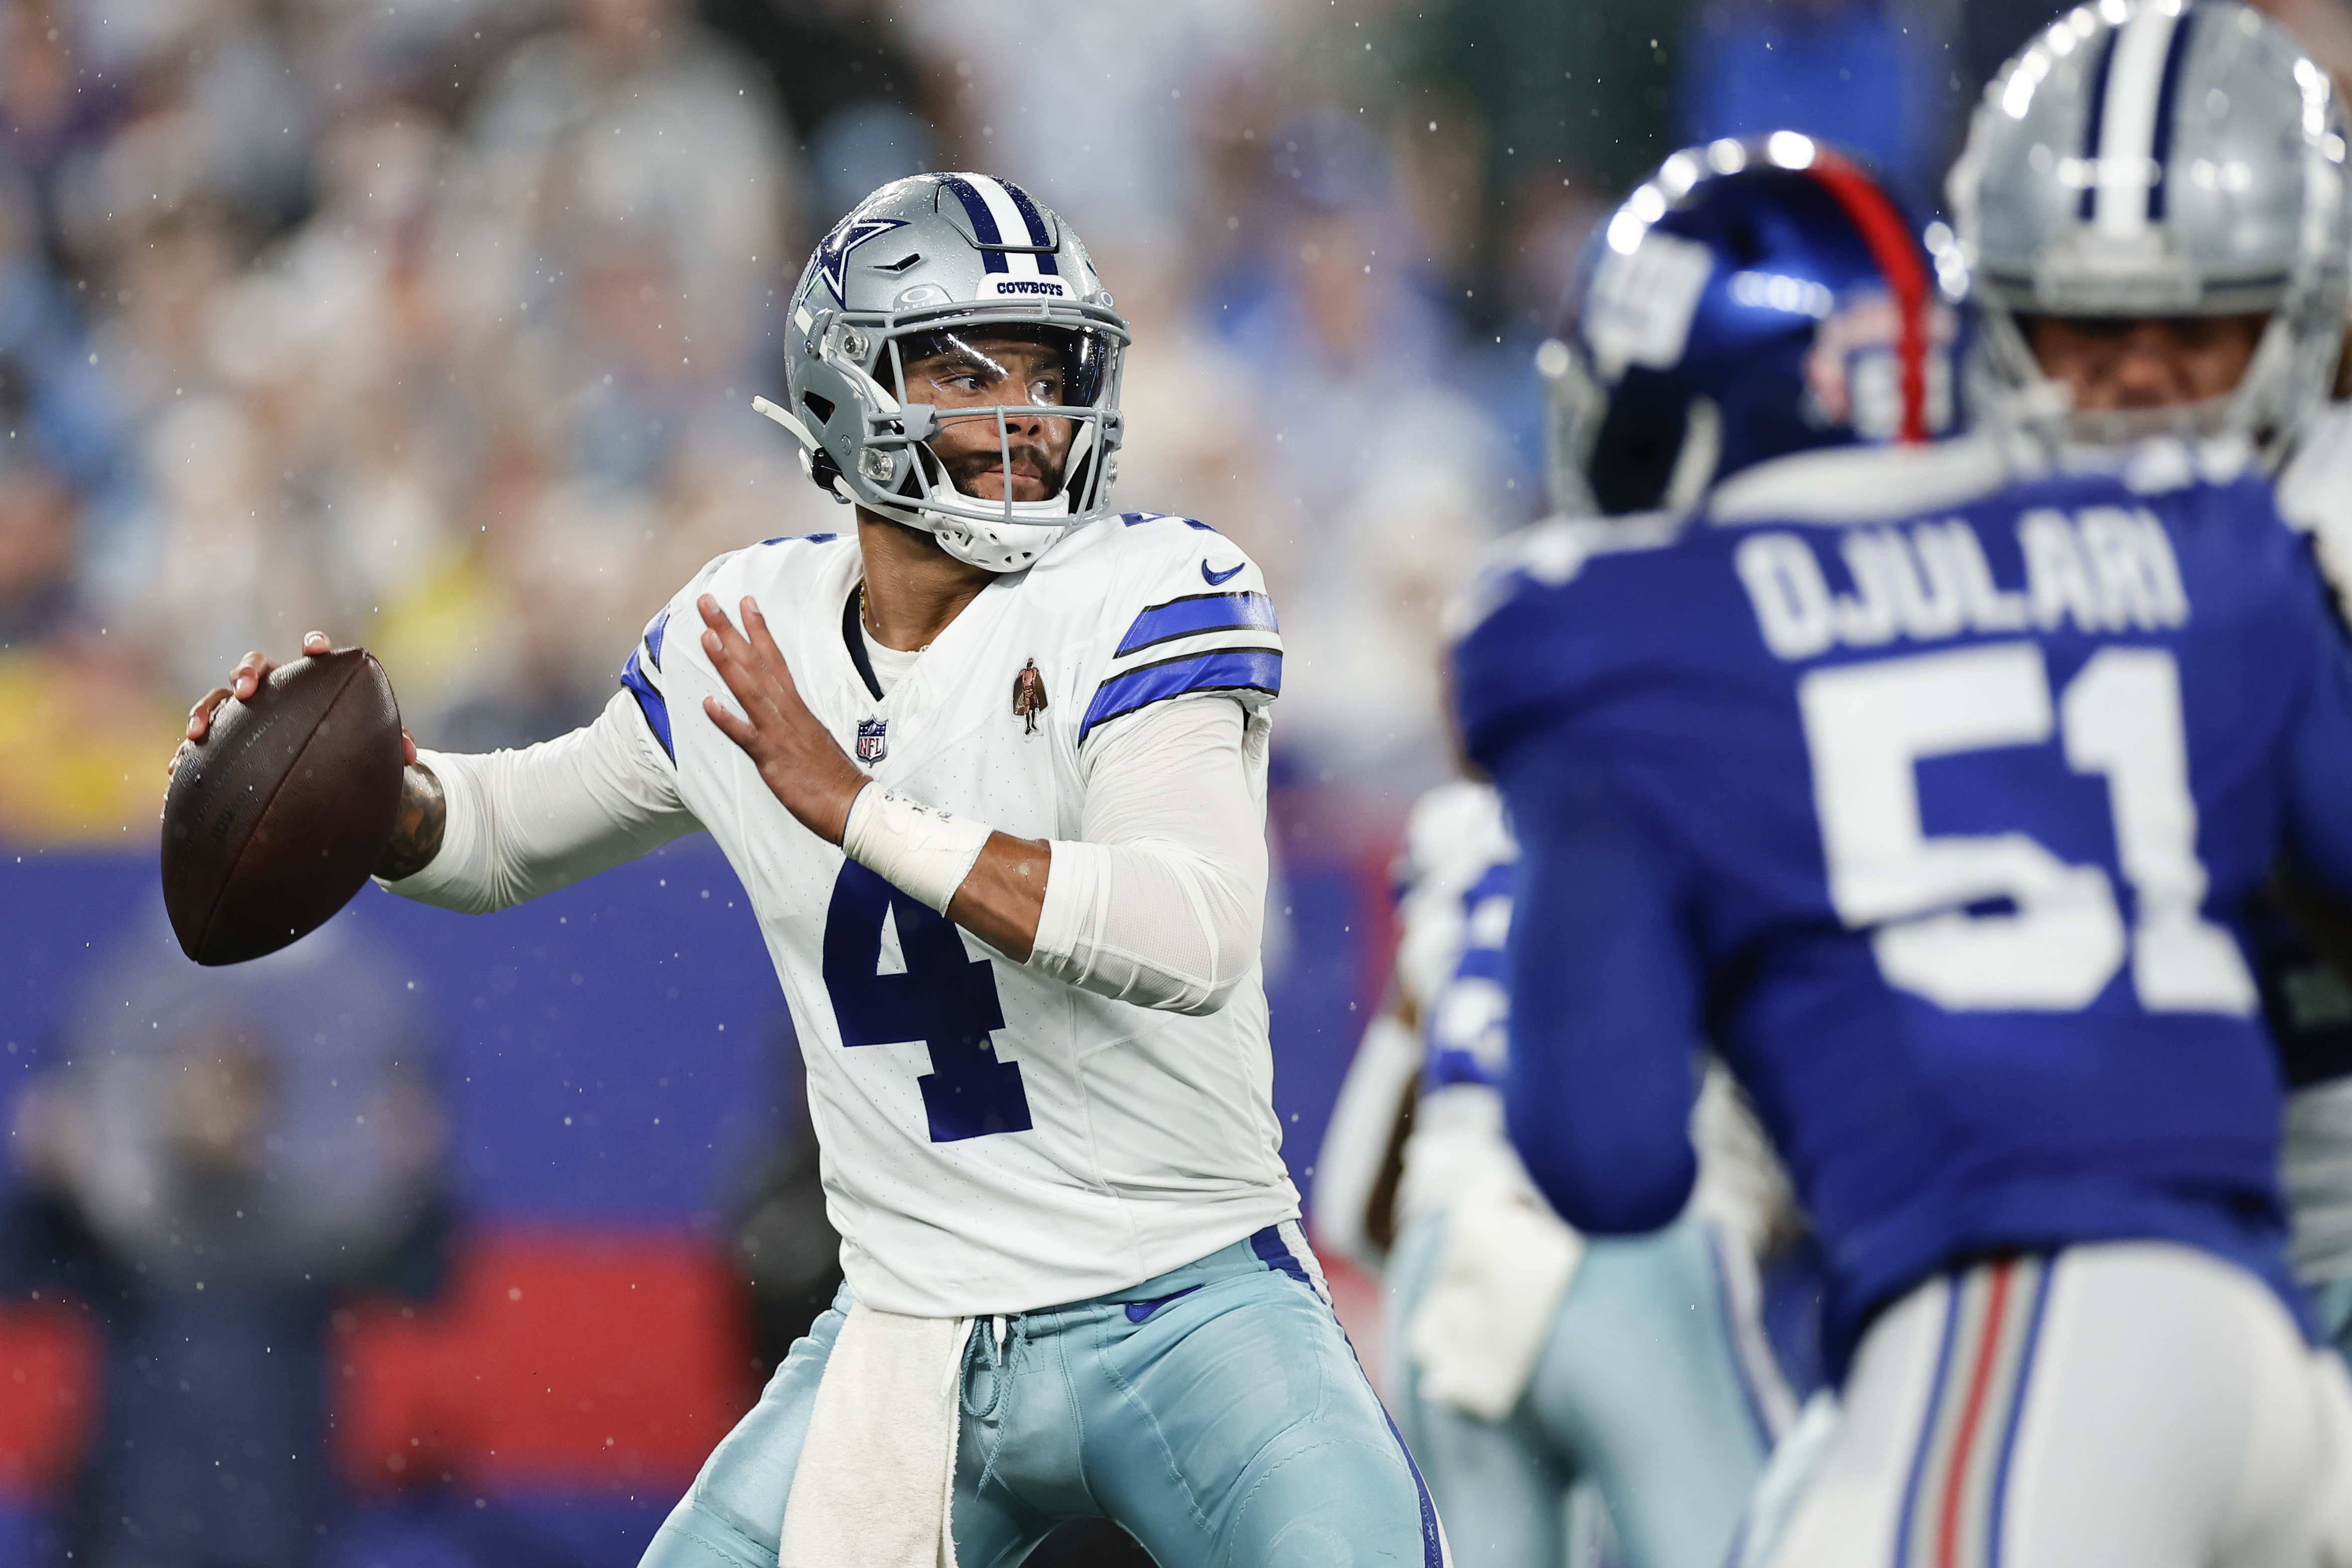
x=435, y=322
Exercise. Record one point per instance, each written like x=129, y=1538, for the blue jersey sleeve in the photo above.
x=1605, y=994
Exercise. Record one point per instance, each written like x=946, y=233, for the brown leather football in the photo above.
x=274, y=822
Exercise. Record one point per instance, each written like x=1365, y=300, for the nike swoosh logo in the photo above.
x=1214, y=577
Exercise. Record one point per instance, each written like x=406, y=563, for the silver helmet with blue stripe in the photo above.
x=939, y=263
x=2157, y=158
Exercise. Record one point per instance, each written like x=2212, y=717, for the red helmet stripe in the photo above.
x=1898, y=255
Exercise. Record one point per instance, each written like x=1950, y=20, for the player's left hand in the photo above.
x=243, y=682
x=802, y=763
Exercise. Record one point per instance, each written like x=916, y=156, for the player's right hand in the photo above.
x=243, y=682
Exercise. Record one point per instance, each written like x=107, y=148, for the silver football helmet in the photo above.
x=925, y=263
x=2152, y=158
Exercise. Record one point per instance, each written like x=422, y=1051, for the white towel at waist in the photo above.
x=876, y=1474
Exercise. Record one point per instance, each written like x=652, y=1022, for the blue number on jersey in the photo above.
x=1470, y=1015
x=942, y=996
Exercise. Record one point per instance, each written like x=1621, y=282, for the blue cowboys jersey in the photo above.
x=1938, y=829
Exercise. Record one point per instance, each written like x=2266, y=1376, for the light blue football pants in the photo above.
x=1640, y=1389
x=2331, y=1303
x=1216, y=1411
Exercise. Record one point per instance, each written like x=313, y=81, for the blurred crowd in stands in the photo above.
x=435, y=322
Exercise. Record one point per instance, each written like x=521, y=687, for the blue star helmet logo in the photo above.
x=832, y=256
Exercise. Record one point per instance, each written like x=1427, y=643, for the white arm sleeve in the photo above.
x=526, y=822
x=1162, y=903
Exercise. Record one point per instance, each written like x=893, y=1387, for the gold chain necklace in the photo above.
x=867, y=621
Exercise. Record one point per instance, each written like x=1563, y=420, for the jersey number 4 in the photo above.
x=936, y=994
x=2061, y=938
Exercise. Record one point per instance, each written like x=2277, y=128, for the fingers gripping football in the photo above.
x=283, y=803
x=802, y=764
x=243, y=682
x=417, y=831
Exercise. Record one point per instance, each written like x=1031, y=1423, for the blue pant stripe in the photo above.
x=2017, y=1404
x=1274, y=1252
x=1432, y=1541
x=1749, y=1377
x=1271, y=1251
x=1927, y=1427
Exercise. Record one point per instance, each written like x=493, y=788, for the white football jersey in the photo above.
x=1456, y=877
x=994, y=1141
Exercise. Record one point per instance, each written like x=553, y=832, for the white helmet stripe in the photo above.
x=2129, y=137
x=1011, y=222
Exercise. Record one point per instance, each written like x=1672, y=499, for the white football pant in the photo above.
x=2118, y=1405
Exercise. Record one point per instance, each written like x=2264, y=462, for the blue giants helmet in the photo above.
x=1749, y=300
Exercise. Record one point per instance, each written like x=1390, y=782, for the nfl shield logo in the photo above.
x=873, y=740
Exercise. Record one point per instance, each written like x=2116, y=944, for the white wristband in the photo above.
x=921, y=850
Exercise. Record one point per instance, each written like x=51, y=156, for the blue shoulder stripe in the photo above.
x=654, y=630
x=1222, y=670
x=655, y=707
x=1195, y=614
x=1133, y=520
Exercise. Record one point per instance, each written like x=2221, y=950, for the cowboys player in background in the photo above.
x=992, y=767
x=1531, y=1357
x=2302, y=939
x=1571, y=1401
x=1933, y=784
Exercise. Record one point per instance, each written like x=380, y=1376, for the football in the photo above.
x=275, y=819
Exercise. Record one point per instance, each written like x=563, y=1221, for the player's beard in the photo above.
x=966, y=469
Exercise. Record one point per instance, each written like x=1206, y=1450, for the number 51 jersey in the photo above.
x=993, y=1140
x=1961, y=809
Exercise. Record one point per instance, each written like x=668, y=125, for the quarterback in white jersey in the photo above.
x=993, y=769
x=1130, y=1160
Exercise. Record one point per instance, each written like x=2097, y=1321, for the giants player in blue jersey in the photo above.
x=1929, y=787
x=1529, y=1357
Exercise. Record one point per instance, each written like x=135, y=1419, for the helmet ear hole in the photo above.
x=1640, y=446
